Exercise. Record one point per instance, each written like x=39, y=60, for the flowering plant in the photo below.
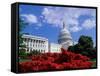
x=55, y=61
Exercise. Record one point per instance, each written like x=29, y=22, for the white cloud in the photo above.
x=88, y=24
x=52, y=17
x=75, y=29
x=56, y=15
x=46, y=11
x=75, y=42
x=30, y=18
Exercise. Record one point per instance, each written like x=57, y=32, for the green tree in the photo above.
x=86, y=42
x=21, y=45
x=71, y=48
x=21, y=27
x=84, y=47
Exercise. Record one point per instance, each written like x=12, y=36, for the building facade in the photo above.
x=35, y=43
x=53, y=47
x=42, y=45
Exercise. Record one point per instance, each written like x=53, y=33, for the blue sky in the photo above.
x=47, y=21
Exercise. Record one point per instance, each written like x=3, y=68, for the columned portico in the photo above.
x=35, y=43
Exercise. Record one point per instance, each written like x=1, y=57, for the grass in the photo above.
x=24, y=60
x=94, y=62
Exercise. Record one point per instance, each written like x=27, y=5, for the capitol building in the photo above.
x=42, y=44
x=65, y=38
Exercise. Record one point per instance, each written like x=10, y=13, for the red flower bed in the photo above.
x=55, y=61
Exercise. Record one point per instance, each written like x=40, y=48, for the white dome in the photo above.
x=65, y=38
x=64, y=33
x=64, y=30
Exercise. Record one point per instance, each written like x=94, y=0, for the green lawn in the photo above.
x=94, y=62
x=24, y=60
